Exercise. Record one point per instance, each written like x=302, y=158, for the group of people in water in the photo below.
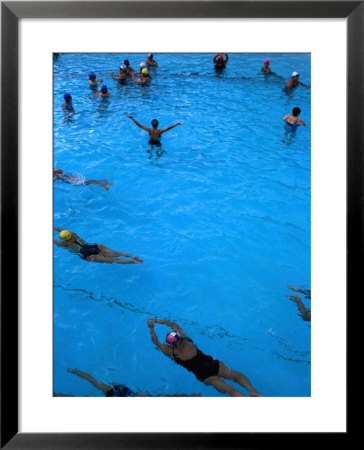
x=178, y=346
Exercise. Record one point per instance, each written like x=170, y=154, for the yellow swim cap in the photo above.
x=145, y=72
x=65, y=235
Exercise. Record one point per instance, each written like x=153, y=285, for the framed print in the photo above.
x=135, y=192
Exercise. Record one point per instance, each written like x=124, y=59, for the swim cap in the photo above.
x=142, y=64
x=294, y=74
x=65, y=235
x=92, y=75
x=67, y=97
x=173, y=338
x=266, y=61
x=103, y=88
x=126, y=62
x=145, y=72
x=150, y=55
x=123, y=67
x=220, y=57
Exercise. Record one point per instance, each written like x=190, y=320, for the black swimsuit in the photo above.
x=155, y=141
x=87, y=250
x=201, y=365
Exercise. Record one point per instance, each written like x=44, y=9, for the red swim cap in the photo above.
x=266, y=61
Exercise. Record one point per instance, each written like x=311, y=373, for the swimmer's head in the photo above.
x=295, y=74
x=173, y=338
x=103, y=89
x=220, y=57
x=67, y=97
x=154, y=123
x=267, y=61
x=150, y=56
x=145, y=72
x=296, y=111
x=123, y=67
x=65, y=235
x=91, y=76
x=126, y=62
x=142, y=65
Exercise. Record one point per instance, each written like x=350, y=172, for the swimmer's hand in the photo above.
x=129, y=117
x=150, y=323
x=254, y=393
x=180, y=123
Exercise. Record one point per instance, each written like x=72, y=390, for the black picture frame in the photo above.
x=11, y=12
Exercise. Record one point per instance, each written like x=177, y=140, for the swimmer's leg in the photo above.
x=223, y=387
x=103, y=259
x=112, y=253
x=100, y=183
x=305, y=313
x=241, y=379
x=101, y=386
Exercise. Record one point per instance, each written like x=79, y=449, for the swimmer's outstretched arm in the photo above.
x=169, y=128
x=139, y=124
x=59, y=243
x=163, y=347
x=173, y=325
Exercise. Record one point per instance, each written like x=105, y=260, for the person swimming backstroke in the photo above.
x=154, y=133
x=92, y=252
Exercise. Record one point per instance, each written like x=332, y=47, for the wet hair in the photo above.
x=296, y=111
x=154, y=123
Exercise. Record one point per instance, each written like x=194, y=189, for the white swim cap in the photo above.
x=142, y=64
x=294, y=74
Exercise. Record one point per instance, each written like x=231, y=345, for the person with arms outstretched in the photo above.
x=154, y=133
x=210, y=371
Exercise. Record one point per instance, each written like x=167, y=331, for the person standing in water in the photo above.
x=219, y=61
x=210, y=371
x=123, y=75
x=266, y=69
x=93, y=252
x=103, y=93
x=150, y=62
x=144, y=76
x=154, y=133
x=293, y=121
x=293, y=82
x=92, y=80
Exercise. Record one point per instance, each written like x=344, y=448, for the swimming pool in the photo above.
x=221, y=220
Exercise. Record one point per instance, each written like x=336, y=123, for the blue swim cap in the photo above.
x=150, y=55
x=92, y=75
x=103, y=88
x=67, y=97
x=126, y=61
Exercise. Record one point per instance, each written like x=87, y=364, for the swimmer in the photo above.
x=94, y=252
x=115, y=389
x=123, y=74
x=129, y=70
x=293, y=82
x=293, y=121
x=92, y=80
x=154, y=133
x=144, y=77
x=219, y=61
x=58, y=175
x=266, y=68
x=305, y=313
x=67, y=105
x=150, y=62
x=206, y=369
x=103, y=92
x=142, y=66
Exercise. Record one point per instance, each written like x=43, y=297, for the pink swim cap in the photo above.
x=266, y=61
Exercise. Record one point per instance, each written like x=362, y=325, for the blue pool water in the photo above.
x=221, y=220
